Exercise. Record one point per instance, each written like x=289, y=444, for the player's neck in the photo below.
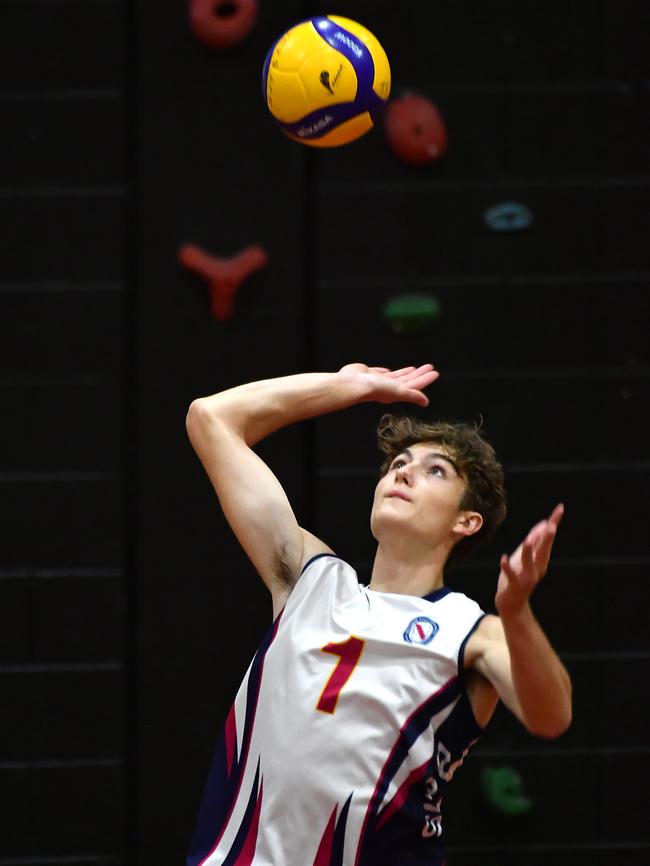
x=412, y=573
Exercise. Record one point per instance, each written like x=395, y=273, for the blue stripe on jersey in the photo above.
x=400, y=841
x=339, y=835
x=387, y=846
x=247, y=820
x=222, y=787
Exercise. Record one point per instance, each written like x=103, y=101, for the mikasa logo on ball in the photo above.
x=352, y=45
x=321, y=123
x=421, y=630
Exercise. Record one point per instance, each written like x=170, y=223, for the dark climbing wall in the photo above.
x=62, y=437
x=127, y=613
x=544, y=335
x=213, y=172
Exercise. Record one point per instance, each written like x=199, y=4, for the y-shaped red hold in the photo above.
x=223, y=276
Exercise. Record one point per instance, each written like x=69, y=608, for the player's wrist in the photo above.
x=518, y=616
x=358, y=386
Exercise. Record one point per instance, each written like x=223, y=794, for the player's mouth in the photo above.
x=398, y=494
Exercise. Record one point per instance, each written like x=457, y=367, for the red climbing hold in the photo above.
x=415, y=129
x=223, y=276
x=222, y=23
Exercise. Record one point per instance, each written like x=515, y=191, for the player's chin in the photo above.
x=385, y=517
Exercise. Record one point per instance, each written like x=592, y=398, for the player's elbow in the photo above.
x=195, y=415
x=200, y=418
x=206, y=423
x=553, y=726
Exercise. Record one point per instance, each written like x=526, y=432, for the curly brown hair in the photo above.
x=476, y=461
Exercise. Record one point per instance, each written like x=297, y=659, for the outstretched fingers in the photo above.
x=557, y=514
x=412, y=372
x=543, y=552
x=403, y=371
x=415, y=379
x=420, y=377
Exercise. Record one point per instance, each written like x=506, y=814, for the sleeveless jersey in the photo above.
x=348, y=725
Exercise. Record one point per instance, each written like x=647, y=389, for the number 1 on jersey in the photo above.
x=349, y=652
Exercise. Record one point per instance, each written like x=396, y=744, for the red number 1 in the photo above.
x=349, y=652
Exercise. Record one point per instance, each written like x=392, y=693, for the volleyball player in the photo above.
x=363, y=701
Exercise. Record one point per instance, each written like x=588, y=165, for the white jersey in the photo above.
x=350, y=721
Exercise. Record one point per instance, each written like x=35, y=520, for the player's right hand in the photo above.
x=394, y=386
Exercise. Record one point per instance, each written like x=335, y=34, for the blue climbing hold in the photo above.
x=509, y=216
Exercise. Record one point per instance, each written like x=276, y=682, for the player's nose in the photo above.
x=402, y=475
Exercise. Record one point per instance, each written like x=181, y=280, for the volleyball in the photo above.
x=326, y=81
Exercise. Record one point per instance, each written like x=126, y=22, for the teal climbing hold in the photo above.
x=503, y=788
x=509, y=216
x=411, y=314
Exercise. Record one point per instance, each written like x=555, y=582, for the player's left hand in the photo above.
x=521, y=572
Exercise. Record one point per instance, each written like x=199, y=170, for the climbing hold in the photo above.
x=409, y=314
x=414, y=129
x=223, y=276
x=509, y=216
x=222, y=23
x=504, y=790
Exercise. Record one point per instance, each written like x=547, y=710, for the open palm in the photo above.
x=395, y=386
x=521, y=572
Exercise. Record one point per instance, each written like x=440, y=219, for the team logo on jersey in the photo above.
x=421, y=630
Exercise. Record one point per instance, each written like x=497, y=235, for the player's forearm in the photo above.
x=255, y=410
x=541, y=681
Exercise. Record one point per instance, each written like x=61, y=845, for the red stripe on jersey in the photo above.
x=400, y=797
x=248, y=735
x=431, y=700
x=230, y=734
x=324, y=853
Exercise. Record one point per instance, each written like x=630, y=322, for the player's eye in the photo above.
x=397, y=464
x=439, y=470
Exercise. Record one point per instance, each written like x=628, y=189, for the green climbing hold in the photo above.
x=411, y=314
x=504, y=790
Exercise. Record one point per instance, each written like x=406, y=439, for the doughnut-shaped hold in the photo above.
x=509, y=216
x=222, y=23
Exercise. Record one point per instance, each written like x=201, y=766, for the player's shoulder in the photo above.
x=324, y=563
x=313, y=548
x=490, y=627
x=487, y=634
x=457, y=601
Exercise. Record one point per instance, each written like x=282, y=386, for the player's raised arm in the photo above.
x=224, y=427
x=513, y=652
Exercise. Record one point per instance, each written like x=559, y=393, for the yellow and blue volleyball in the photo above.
x=326, y=81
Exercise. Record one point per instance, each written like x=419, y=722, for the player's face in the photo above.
x=420, y=494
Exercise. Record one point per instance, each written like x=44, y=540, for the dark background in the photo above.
x=127, y=613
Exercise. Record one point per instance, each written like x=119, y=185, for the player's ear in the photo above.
x=468, y=523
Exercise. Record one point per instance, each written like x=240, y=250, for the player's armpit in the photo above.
x=253, y=501
x=312, y=546
x=487, y=653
